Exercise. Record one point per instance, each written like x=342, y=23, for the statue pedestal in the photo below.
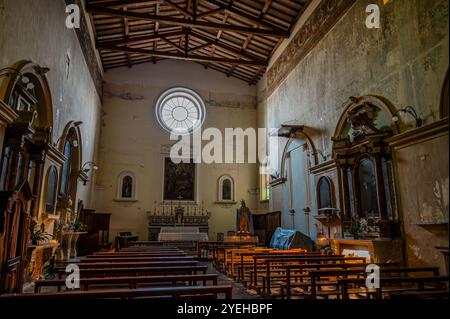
x=69, y=245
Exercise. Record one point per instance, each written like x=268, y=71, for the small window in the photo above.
x=126, y=190
x=264, y=184
x=50, y=197
x=226, y=189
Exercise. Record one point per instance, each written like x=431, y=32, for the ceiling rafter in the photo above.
x=188, y=57
x=236, y=38
x=184, y=22
x=255, y=20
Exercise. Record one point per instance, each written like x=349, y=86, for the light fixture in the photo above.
x=411, y=111
x=85, y=169
x=88, y=165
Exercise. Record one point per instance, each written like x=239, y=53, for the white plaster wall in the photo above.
x=131, y=140
x=35, y=30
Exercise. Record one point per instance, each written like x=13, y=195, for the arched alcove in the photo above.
x=364, y=163
x=50, y=190
x=70, y=144
x=126, y=186
x=225, y=189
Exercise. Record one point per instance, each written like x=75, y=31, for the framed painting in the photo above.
x=179, y=181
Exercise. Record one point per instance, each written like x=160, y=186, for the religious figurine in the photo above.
x=244, y=221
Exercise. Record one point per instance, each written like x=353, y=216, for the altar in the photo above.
x=182, y=233
x=178, y=222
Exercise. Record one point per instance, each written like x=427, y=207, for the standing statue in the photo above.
x=244, y=220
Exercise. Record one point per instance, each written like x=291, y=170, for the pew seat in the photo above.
x=131, y=281
x=141, y=293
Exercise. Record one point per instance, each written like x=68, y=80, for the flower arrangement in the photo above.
x=78, y=226
x=38, y=235
x=355, y=228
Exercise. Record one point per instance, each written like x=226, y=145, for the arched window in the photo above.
x=126, y=188
x=324, y=195
x=226, y=189
x=180, y=110
x=50, y=196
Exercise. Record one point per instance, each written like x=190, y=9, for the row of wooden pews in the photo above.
x=135, y=272
x=310, y=275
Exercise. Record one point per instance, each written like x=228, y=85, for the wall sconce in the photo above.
x=411, y=111
x=88, y=165
x=25, y=81
x=85, y=169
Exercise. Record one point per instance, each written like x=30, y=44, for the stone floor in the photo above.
x=239, y=291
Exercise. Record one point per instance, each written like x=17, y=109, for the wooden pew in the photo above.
x=249, y=260
x=314, y=272
x=219, y=255
x=131, y=264
x=136, y=271
x=169, y=292
x=132, y=282
x=280, y=266
x=121, y=255
x=257, y=263
x=436, y=283
x=137, y=259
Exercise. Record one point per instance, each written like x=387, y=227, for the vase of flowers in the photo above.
x=39, y=234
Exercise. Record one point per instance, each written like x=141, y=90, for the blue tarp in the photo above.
x=289, y=239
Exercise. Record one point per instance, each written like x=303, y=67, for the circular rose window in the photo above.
x=180, y=111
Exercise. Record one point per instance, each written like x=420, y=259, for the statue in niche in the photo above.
x=226, y=190
x=127, y=187
x=244, y=221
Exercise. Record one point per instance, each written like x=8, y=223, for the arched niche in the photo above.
x=70, y=144
x=126, y=186
x=364, y=163
x=226, y=189
x=51, y=190
x=325, y=193
x=444, y=106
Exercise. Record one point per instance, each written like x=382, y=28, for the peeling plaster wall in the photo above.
x=35, y=30
x=405, y=61
x=131, y=140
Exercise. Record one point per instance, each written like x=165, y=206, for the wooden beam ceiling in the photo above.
x=233, y=37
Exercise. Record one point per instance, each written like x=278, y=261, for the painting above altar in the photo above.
x=179, y=181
